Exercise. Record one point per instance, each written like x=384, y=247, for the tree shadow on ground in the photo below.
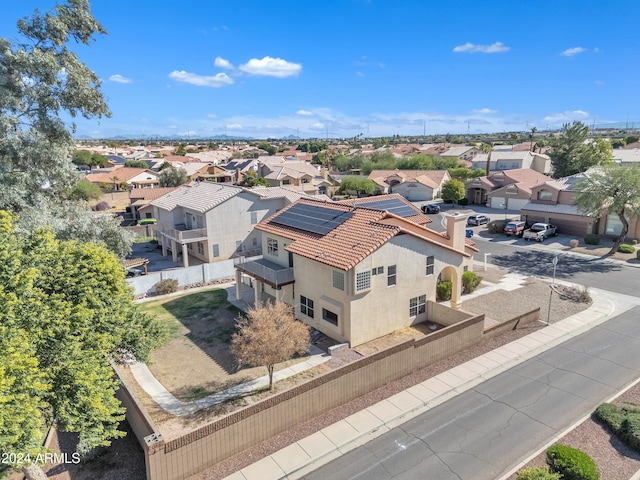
x=534, y=262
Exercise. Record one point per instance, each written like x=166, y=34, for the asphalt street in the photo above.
x=483, y=433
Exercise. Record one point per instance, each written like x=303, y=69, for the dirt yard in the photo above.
x=197, y=361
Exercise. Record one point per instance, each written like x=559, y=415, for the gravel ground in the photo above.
x=614, y=459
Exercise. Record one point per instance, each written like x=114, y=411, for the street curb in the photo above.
x=603, y=314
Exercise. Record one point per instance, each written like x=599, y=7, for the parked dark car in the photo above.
x=431, y=208
x=477, y=220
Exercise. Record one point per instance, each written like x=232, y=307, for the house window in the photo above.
x=239, y=245
x=305, y=180
x=465, y=268
x=330, y=317
x=306, y=306
x=272, y=247
x=417, y=305
x=286, y=182
x=337, y=278
x=377, y=271
x=216, y=250
x=544, y=195
x=189, y=246
x=200, y=248
x=254, y=241
x=430, y=264
x=391, y=276
x=363, y=281
x=254, y=218
x=148, y=215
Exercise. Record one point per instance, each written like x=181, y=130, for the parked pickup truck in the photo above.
x=540, y=231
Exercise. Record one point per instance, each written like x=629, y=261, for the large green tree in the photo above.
x=41, y=81
x=66, y=312
x=358, y=185
x=173, y=177
x=614, y=190
x=453, y=191
x=572, y=152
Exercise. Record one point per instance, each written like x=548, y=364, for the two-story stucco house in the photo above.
x=213, y=221
x=356, y=272
x=511, y=160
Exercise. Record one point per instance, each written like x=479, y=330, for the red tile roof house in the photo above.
x=509, y=190
x=356, y=273
x=414, y=185
x=134, y=177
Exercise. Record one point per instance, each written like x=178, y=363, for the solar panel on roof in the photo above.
x=392, y=205
x=312, y=218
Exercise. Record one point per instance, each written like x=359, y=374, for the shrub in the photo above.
x=537, y=473
x=571, y=463
x=592, y=239
x=634, y=242
x=470, y=282
x=611, y=415
x=624, y=421
x=626, y=248
x=443, y=290
x=168, y=285
x=463, y=201
x=574, y=243
x=497, y=226
x=630, y=431
x=102, y=206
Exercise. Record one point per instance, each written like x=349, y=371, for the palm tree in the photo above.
x=486, y=148
x=533, y=132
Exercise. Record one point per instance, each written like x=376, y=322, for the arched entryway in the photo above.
x=451, y=274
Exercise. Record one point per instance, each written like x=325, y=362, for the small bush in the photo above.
x=443, y=290
x=497, y=226
x=463, y=202
x=574, y=243
x=168, y=285
x=102, y=206
x=626, y=248
x=624, y=421
x=611, y=415
x=634, y=242
x=571, y=463
x=470, y=281
x=538, y=473
x=592, y=239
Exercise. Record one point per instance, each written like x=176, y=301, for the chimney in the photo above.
x=323, y=172
x=456, y=226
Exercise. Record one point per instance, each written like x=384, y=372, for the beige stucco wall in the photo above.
x=413, y=191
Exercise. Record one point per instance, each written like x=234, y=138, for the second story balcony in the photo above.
x=181, y=233
x=267, y=272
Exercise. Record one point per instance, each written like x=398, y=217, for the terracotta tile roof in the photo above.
x=355, y=239
x=149, y=193
x=419, y=218
x=124, y=174
x=430, y=178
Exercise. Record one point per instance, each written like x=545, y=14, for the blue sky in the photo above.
x=340, y=68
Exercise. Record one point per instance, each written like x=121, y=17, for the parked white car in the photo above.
x=540, y=231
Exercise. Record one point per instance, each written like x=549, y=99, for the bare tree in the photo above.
x=269, y=335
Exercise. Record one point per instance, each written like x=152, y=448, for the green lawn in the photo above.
x=173, y=311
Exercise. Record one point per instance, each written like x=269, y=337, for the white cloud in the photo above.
x=570, y=52
x=304, y=113
x=119, y=79
x=360, y=74
x=599, y=83
x=222, y=63
x=271, y=67
x=484, y=110
x=557, y=119
x=497, y=47
x=317, y=126
x=212, y=115
x=215, y=81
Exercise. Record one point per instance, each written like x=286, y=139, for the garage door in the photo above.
x=569, y=227
x=531, y=219
x=497, y=202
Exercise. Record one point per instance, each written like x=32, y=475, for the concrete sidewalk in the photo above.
x=331, y=442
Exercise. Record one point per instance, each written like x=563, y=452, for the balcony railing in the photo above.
x=180, y=233
x=268, y=272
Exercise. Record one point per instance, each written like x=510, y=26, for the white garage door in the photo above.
x=514, y=203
